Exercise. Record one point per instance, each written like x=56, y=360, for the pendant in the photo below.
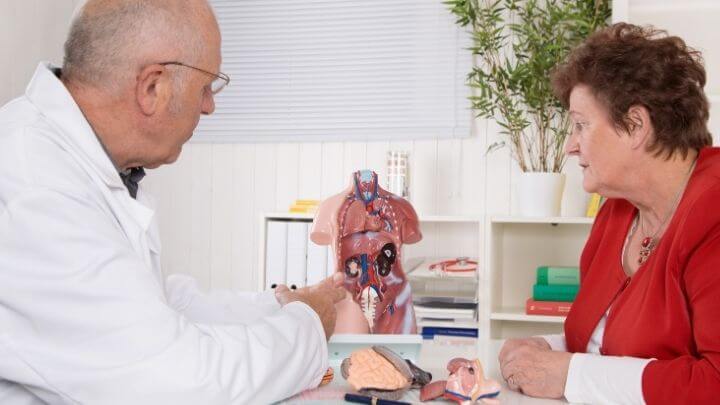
x=647, y=242
x=646, y=246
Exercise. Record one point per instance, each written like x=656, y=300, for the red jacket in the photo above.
x=670, y=309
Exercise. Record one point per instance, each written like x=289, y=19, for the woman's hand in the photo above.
x=512, y=344
x=529, y=366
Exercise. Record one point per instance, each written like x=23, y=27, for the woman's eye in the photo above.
x=578, y=127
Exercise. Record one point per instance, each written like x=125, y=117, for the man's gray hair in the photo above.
x=110, y=41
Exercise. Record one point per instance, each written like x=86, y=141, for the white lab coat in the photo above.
x=85, y=315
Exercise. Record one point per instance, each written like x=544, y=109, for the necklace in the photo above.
x=648, y=243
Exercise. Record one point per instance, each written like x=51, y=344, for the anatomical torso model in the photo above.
x=366, y=226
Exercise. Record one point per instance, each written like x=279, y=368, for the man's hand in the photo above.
x=529, y=366
x=321, y=297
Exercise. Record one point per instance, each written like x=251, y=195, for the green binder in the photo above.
x=558, y=275
x=565, y=293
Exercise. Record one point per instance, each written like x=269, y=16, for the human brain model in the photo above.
x=366, y=227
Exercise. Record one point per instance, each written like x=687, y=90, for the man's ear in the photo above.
x=153, y=89
x=640, y=127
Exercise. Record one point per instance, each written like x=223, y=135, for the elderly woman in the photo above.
x=645, y=327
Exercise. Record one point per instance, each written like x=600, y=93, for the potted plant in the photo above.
x=516, y=44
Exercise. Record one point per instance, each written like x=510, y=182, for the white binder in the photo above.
x=316, y=261
x=297, y=241
x=275, y=253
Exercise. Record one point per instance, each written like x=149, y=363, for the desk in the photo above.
x=433, y=358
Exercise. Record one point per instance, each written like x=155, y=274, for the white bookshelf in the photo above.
x=444, y=236
x=514, y=248
x=511, y=247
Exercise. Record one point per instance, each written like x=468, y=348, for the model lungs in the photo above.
x=366, y=227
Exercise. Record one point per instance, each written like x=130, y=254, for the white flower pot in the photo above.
x=540, y=194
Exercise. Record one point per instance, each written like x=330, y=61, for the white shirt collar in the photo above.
x=55, y=102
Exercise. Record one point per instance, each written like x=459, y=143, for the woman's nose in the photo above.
x=571, y=145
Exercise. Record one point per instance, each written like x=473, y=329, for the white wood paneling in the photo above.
x=288, y=172
x=423, y=183
x=448, y=176
x=472, y=174
x=264, y=196
x=244, y=224
x=376, y=159
x=497, y=173
x=221, y=215
x=354, y=154
x=310, y=183
x=333, y=180
x=201, y=196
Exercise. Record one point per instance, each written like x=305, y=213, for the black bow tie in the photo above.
x=131, y=178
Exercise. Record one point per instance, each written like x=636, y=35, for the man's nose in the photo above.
x=208, y=105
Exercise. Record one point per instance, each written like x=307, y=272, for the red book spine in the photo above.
x=556, y=308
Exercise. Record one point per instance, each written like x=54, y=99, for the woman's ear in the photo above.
x=640, y=127
x=153, y=89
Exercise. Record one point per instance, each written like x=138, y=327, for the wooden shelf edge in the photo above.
x=542, y=220
x=521, y=316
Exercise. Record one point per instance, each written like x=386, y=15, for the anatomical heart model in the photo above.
x=366, y=226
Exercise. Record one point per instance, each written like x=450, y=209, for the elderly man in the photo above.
x=85, y=314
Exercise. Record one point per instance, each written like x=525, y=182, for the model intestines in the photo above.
x=367, y=226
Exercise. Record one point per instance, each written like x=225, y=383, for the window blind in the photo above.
x=321, y=70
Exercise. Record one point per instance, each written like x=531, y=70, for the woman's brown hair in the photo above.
x=627, y=65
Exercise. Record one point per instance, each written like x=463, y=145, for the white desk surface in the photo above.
x=433, y=358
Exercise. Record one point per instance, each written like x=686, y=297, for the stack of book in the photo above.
x=445, y=303
x=554, y=291
x=304, y=206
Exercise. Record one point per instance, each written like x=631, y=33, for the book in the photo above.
x=557, y=308
x=429, y=332
x=565, y=293
x=304, y=206
x=594, y=205
x=558, y=275
x=445, y=313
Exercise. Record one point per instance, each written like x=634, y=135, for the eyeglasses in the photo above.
x=221, y=79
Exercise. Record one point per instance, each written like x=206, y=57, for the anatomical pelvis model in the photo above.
x=366, y=226
x=465, y=385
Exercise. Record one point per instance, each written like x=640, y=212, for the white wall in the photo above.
x=30, y=31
